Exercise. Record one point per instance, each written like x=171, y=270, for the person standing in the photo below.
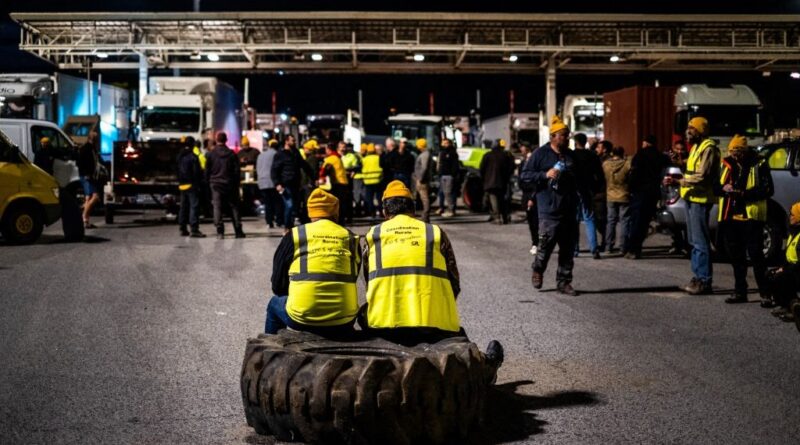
x=400, y=164
x=591, y=181
x=88, y=160
x=287, y=169
x=553, y=172
x=647, y=166
x=223, y=174
x=269, y=196
x=423, y=172
x=496, y=169
x=190, y=181
x=677, y=156
x=333, y=177
x=617, y=170
x=372, y=175
x=528, y=186
x=697, y=188
x=448, y=168
x=745, y=185
x=248, y=156
x=351, y=162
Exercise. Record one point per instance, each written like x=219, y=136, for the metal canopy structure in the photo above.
x=394, y=42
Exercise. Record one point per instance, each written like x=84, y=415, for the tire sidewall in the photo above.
x=23, y=216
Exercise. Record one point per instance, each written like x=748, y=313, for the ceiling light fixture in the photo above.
x=212, y=57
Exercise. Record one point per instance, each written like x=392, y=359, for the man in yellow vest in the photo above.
x=784, y=282
x=744, y=186
x=333, y=177
x=412, y=278
x=372, y=175
x=314, y=274
x=697, y=189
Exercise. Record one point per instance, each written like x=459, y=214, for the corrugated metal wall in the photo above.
x=635, y=112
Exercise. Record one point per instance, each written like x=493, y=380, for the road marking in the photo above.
x=673, y=295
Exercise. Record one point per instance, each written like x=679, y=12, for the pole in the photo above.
x=274, y=111
x=360, y=108
x=99, y=93
x=430, y=103
x=142, y=77
x=511, y=135
x=89, y=89
x=246, y=117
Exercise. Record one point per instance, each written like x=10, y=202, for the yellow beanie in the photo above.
x=322, y=204
x=245, y=141
x=310, y=144
x=363, y=147
x=700, y=124
x=44, y=140
x=370, y=149
x=795, y=211
x=272, y=143
x=556, y=125
x=737, y=143
x=422, y=144
x=396, y=189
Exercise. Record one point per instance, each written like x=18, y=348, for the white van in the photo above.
x=27, y=135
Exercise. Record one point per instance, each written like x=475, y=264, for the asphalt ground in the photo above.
x=137, y=337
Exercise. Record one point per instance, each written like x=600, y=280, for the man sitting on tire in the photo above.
x=314, y=274
x=412, y=278
x=784, y=282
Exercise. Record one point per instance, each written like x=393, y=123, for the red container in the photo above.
x=633, y=113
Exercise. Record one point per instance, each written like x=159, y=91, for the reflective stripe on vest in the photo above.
x=322, y=276
x=371, y=171
x=698, y=193
x=791, y=249
x=757, y=210
x=408, y=281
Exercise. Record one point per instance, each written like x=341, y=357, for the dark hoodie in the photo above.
x=222, y=168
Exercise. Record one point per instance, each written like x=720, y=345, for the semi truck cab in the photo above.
x=730, y=110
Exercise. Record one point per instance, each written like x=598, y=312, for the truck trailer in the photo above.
x=59, y=98
x=512, y=128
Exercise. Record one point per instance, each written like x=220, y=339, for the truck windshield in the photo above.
x=588, y=118
x=727, y=120
x=326, y=130
x=421, y=130
x=171, y=119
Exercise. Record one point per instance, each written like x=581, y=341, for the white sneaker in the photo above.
x=534, y=250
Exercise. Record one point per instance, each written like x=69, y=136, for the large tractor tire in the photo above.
x=297, y=386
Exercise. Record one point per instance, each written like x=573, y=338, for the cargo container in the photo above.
x=633, y=113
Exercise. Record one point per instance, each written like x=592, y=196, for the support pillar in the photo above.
x=142, y=76
x=550, y=100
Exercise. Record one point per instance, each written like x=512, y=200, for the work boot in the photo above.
x=494, y=358
x=536, y=280
x=779, y=311
x=596, y=254
x=633, y=256
x=240, y=233
x=197, y=234
x=736, y=298
x=184, y=232
x=766, y=301
x=700, y=288
x=567, y=289
x=692, y=286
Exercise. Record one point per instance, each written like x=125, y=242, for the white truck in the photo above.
x=729, y=110
x=190, y=106
x=59, y=97
x=584, y=114
x=519, y=127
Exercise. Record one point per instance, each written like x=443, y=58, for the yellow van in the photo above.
x=28, y=196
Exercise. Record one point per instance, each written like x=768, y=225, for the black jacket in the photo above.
x=87, y=160
x=589, y=174
x=449, y=164
x=287, y=167
x=222, y=167
x=647, y=172
x=557, y=202
x=496, y=168
x=396, y=162
x=189, y=171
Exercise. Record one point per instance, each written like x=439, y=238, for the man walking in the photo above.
x=745, y=185
x=553, y=172
x=423, y=171
x=190, y=180
x=646, y=167
x=287, y=176
x=447, y=168
x=496, y=169
x=223, y=174
x=270, y=198
x=697, y=188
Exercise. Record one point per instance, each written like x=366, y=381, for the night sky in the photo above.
x=454, y=94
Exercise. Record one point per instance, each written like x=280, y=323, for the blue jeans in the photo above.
x=372, y=192
x=291, y=206
x=190, y=207
x=700, y=240
x=277, y=318
x=586, y=214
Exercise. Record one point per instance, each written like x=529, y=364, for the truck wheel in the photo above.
x=301, y=387
x=472, y=193
x=22, y=224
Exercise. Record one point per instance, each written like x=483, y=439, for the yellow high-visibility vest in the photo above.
x=756, y=211
x=698, y=193
x=322, y=276
x=408, y=281
x=200, y=157
x=340, y=175
x=791, y=249
x=371, y=171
